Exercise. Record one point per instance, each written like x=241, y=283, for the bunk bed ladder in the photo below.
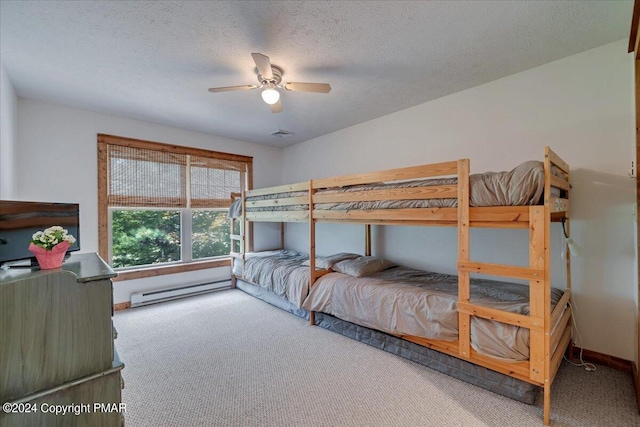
x=238, y=239
x=538, y=321
x=545, y=352
x=537, y=273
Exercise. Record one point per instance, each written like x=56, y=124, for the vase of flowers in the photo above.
x=50, y=245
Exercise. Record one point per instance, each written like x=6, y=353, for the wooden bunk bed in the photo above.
x=550, y=330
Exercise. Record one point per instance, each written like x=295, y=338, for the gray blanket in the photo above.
x=280, y=272
x=404, y=301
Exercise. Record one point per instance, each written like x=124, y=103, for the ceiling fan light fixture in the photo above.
x=270, y=79
x=270, y=95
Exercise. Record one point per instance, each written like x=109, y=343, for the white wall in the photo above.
x=8, y=136
x=581, y=106
x=50, y=134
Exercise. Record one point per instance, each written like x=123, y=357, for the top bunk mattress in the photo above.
x=522, y=186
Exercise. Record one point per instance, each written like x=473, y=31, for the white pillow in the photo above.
x=328, y=261
x=362, y=266
x=274, y=252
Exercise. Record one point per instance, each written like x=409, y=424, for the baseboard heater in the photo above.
x=159, y=295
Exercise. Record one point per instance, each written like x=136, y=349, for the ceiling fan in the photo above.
x=270, y=78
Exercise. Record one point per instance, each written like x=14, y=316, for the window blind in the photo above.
x=213, y=180
x=140, y=177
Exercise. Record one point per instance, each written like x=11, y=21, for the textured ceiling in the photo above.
x=155, y=61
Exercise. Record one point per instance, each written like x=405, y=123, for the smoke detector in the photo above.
x=281, y=133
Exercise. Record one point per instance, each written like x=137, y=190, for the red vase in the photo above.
x=50, y=259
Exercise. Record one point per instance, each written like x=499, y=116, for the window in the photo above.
x=165, y=206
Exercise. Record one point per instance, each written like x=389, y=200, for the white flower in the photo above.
x=50, y=237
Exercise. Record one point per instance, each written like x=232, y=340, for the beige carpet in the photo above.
x=227, y=359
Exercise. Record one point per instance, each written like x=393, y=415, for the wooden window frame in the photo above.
x=103, y=206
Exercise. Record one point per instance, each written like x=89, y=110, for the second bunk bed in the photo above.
x=479, y=315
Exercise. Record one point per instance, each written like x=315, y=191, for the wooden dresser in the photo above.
x=57, y=349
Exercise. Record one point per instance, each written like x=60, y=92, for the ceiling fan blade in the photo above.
x=308, y=87
x=228, y=88
x=277, y=107
x=263, y=64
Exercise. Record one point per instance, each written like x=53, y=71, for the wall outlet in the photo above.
x=632, y=170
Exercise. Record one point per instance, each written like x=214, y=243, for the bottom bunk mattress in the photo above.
x=279, y=271
x=404, y=301
x=473, y=374
x=271, y=298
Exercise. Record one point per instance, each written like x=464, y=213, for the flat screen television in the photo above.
x=20, y=220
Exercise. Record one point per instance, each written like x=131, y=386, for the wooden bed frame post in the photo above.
x=234, y=279
x=539, y=337
x=282, y=235
x=567, y=260
x=231, y=241
x=367, y=239
x=243, y=229
x=312, y=249
x=464, y=292
x=543, y=294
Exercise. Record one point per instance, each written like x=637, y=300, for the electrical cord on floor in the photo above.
x=587, y=366
x=574, y=311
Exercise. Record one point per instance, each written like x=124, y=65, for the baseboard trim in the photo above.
x=121, y=306
x=604, y=359
x=636, y=383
